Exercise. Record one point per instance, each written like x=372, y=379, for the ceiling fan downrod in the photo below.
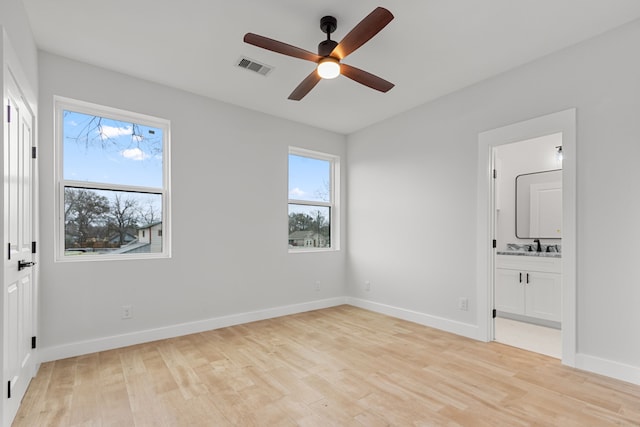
x=328, y=25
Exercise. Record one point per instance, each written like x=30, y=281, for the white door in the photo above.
x=18, y=284
x=545, y=206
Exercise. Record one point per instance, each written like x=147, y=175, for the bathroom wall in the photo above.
x=511, y=160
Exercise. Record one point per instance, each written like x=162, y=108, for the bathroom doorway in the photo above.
x=528, y=232
x=527, y=317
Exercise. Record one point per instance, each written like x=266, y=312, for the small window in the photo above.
x=313, y=209
x=113, y=182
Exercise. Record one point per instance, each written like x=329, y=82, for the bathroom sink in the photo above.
x=532, y=253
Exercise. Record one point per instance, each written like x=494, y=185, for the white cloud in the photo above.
x=296, y=192
x=134, y=154
x=114, y=132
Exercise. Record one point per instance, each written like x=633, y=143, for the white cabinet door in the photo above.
x=543, y=296
x=509, y=291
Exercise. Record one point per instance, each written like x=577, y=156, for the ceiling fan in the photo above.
x=330, y=53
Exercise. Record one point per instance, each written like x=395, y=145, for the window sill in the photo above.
x=98, y=258
x=312, y=250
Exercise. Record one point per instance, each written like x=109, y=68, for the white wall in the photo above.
x=522, y=157
x=229, y=193
x=13, y=18
x=412, y=194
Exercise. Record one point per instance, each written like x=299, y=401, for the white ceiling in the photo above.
x=431, y=48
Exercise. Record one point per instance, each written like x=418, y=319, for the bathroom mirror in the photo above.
x=539, y=205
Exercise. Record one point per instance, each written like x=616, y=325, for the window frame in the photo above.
x=60, y=105
x=334, y=199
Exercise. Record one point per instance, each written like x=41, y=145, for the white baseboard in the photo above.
x=455, y=327
x=609, y=368
x=47, y=354
x=585, y=362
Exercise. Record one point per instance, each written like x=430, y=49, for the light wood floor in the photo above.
x=341, y=366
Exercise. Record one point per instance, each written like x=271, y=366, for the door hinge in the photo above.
x=495, y=313
x=9, y=389
x=33, y=247
x=34, y=151
x=495, y=174
x=8, y=113
x=33, y=342
x=495, y=243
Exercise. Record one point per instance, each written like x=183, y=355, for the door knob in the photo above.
x=22, y=264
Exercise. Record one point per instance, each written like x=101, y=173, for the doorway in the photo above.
x=527, y=215
x=557, y=123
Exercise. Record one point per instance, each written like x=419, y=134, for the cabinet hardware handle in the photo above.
x=520, y=277
x=527, y=278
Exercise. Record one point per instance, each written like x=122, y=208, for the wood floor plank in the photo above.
x=181, y=368
x=341, y=366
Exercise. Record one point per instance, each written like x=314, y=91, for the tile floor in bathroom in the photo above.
x=539, y=339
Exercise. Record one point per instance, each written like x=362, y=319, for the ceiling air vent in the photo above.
x=250, y=64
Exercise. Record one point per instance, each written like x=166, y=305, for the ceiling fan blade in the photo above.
x=279, y=47
x=363, y=32
x=305, y=86
x=365, y=78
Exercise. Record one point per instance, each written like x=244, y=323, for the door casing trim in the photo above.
x=565, y=123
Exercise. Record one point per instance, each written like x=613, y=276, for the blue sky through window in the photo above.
x=98, y=149
x=309, y=179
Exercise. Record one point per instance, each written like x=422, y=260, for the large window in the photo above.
x=112, y=176
x=313, y=184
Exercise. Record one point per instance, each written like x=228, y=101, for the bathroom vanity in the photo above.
x=528, y=285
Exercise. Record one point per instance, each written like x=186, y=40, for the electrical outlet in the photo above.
x=367, y=286
x=127, y=312
x=317, y=285
x=463, y=304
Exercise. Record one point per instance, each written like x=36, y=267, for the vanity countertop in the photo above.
x=532, y=253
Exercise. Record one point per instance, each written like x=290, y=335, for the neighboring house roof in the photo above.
x=128, y=237
x=130, y=248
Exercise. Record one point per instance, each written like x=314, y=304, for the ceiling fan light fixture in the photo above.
x=329, y=68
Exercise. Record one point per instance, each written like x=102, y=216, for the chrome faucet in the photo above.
x=539, y=247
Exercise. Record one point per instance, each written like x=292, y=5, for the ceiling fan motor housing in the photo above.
x=326, y=47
